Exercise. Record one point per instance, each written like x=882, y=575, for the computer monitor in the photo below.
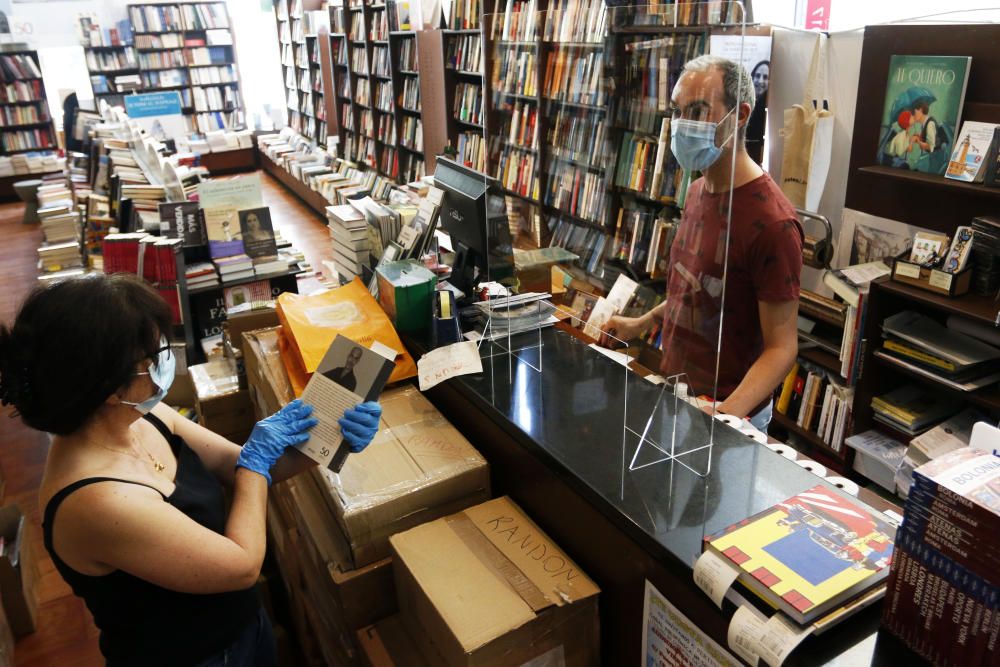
x=476, y=221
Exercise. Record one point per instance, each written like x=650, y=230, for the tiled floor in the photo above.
x=66, y=635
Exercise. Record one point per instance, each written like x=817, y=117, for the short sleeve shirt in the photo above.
x=764, y=264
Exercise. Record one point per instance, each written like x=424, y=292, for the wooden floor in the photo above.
x=66, y=635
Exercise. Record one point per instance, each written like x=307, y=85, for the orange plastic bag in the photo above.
x=310, y=323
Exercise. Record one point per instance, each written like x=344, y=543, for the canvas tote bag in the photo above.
x=808, y=135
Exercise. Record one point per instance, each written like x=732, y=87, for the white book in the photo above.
x=804, y=403
x=824, y=415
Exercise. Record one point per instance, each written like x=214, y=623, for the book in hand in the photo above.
x=810, y=554
x=349, y=374
x=923, y=107
x=258, y=234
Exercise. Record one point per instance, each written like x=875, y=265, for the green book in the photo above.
x=922, y=110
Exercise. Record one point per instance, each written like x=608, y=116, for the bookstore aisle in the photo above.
x=65, y=632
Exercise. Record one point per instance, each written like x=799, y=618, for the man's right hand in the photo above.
x=622, y=329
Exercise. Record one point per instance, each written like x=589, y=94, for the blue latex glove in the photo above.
x=360, y=424
x=270, y=437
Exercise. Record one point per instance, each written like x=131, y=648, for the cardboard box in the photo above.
x=386, y=644
x=221, y=406
x=18, y=572
x=418, y=468
x=486, y=587
x=267, y=380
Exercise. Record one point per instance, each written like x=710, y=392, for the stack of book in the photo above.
x=234, y=268
x=951, y=434
x=60, y=256
x=201, y=274
x=913, y=410
x=812, y=555
x=852, y=284
x=349, y=236
x=944, y=590
x=60, y=224
x=928, y=348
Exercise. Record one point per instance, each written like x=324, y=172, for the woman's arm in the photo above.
x=130, y=528
x=219, y=455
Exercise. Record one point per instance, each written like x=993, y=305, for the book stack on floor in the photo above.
x=61, y=253
x=943, y=596
x=30, y=163
x=349, y=236
x=817, y=556
x=938, y=352
x=817, y=402
x=911, y=409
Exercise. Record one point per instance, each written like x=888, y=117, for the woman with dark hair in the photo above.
x=133, y=508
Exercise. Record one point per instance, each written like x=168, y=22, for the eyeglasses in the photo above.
x=156, y=357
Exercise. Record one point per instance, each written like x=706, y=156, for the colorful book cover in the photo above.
x=222, y=226
x=923, y=106
x=971, y=150
x=809, y=553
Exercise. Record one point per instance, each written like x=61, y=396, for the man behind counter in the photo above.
x=759, y=333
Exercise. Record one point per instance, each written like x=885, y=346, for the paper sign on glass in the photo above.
x=447, y=362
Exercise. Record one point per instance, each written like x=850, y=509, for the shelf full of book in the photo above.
x=577, y=120
x=188, y=47
x=111, y=59
x=24, y=112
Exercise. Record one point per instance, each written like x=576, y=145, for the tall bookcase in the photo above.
x=919, y=199
x=105, y=64
x=313, y=101
x=24, y=112
x=188, y=47
x=464, y=95
x=405, y=63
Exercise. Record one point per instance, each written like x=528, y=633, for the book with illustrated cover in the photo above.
x=222, y=226
x=809, y=554
x=969, y=157
x=922, y=111
x=257, y=234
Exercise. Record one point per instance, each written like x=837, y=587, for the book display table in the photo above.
x=554, y=443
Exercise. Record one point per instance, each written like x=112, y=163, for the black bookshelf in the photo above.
x=24, y=107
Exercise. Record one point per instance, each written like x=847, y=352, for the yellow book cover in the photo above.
x=810, y=553
x=919, y=355
x=785, y=398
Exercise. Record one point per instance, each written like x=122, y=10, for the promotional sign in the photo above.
x=158, y=113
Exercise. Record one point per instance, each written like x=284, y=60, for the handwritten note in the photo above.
x=447, y=362
x=714, y=575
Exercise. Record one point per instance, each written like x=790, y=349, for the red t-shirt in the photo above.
x=765, y=261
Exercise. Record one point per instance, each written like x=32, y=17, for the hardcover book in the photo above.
x=811, y=553
x=923, y=107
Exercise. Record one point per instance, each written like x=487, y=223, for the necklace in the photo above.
x=157, y=466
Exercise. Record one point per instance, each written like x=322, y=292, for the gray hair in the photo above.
x=737, y=86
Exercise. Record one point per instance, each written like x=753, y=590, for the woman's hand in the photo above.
x=360, y=424
x=270, y=437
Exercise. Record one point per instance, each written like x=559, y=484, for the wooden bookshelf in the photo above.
x=98, y=58
x=467, y=137
x=923, y=200
x=412, y=160
x=24, y=107
x=210, y=91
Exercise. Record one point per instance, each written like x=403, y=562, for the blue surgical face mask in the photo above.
x=161, y=372
x=693, y=143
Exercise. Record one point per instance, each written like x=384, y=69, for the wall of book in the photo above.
x=111, y=59
x=25, y=120
x=188, y=47
x=577, y=120
x=464, y=97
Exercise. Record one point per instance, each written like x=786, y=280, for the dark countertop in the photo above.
x=572, y=412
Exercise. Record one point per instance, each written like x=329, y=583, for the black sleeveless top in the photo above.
x=145, y=624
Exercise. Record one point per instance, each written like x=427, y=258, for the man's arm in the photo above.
x=627, y=328
x=779, y=326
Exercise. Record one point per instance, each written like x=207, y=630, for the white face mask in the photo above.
x=161, y=372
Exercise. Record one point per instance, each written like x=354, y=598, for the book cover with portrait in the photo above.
x=258, y=233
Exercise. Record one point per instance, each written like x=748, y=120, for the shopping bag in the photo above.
x=808, y=137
